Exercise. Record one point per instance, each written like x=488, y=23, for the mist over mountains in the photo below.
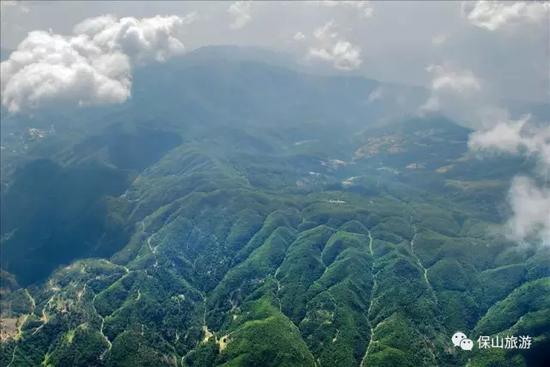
x=237, y=210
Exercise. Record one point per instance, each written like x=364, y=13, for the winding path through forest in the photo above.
x=374, y=285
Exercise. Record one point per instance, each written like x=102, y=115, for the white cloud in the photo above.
x=326, y=31
x=92, y=66
x=240, y=11
x=459, y=94
x=503, y=137
x=515, y=137
x=48, y=68
x=493, y=15
x=362, y=7
x=456, y=80
x=142, y=40
x=299, y=36
x=530, y=204
x=453, y=91
x=342, y=54
x=332, y=48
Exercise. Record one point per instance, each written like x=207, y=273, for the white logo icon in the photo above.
x=460, y=340
x=457, y=338
x=466, y=344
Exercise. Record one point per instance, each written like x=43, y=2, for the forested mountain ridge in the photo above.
x=253, y=216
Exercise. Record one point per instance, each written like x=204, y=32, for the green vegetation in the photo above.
x=229, y=224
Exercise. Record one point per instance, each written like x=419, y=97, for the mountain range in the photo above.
x=239, y=211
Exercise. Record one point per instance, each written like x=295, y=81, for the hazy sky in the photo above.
x=473, y=57
x=506, y=48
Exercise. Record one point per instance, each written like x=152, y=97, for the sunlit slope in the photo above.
x=219, y=272
x=227, y=233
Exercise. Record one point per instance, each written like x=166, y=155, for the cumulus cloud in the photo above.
x=332, y=48
x=493, y=15
x=463, y=96
x=362, y=7
x=240, y=12
x=48, y=67
x=342, y=54
x=456, y=80
x=459, y=94
x=453, y=91
x=528, y=200
x=326, y=31
x=530, y=204
x=515, y=137
x=91, y=66
x=143, y=40
x=503, y=137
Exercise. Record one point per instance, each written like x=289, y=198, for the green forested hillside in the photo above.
x=206, y=229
